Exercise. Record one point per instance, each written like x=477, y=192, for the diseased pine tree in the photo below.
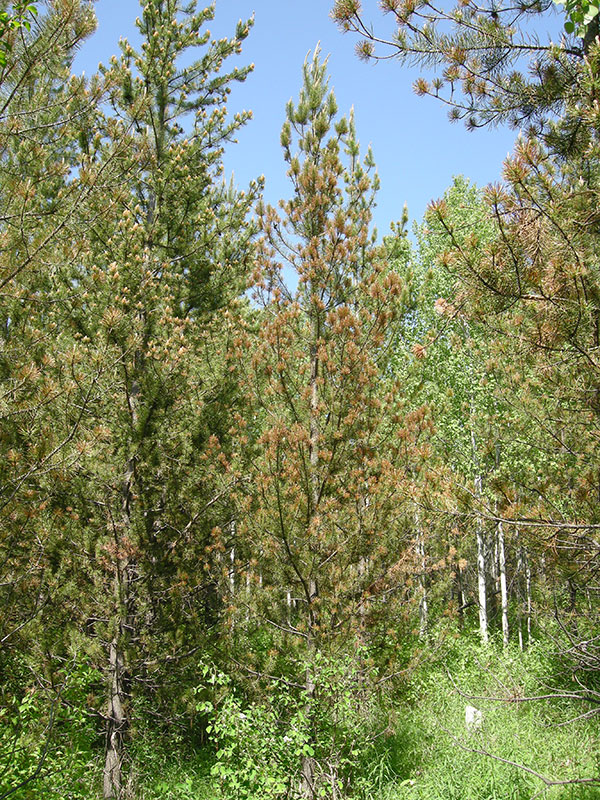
x=494, y=63
x=147, y=309
x=40, y=109
x=323, y=502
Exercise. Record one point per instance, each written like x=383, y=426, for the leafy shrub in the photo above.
x=260, y=746
x=48, y=742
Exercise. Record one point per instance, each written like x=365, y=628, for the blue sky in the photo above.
x=416, y=148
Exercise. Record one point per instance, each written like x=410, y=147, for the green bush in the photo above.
x=260, y=746
x=48, y=743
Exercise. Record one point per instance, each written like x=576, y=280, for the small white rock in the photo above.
x=473, y=718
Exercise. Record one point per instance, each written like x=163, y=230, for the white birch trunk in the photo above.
x=520, y=572
x=423, y=609
x=503, y=585
x=481, y=542
x=524, y=569
x=481, y=568
x=481, y=592
x=520, y=636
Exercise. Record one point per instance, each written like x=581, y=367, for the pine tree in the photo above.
x=322, y=503
x=39, y=108
x=495, y=63
x=146, y=310
x=11, y=22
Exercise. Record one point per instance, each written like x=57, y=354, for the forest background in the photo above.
x=272, y=537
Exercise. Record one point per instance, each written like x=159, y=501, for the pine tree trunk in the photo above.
x=116, y=722
x=124, y=624
x=460, y=588
x=528, y=589
x=308, y=770
x=462, y=603
x=124, y=618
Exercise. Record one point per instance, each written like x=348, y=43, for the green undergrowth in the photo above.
x=49, y=746
x=167, y=768
x=435, y=757
x=428, y=754
x=411, y=744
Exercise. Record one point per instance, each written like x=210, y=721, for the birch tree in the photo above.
x=483, y=432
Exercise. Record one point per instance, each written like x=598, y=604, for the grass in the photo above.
x=436, y=758
x=429, y=756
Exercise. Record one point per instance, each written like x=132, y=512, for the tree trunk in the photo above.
x=520, y=571
x=116, y=723
x=482, y=559
x=232, y=573
x=308, y=770
x=481, y=576
x=503, y=585
x=524, y=571
x=423, y=609
x=528, y=588
x=124, y=617
x=460, y=588
x=124, y=623
x=309, y=766
x=481, y=569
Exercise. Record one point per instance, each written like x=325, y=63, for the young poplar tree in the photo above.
x=322, y=503
x=481, y=435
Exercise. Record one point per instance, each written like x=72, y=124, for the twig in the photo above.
x=546, y=781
